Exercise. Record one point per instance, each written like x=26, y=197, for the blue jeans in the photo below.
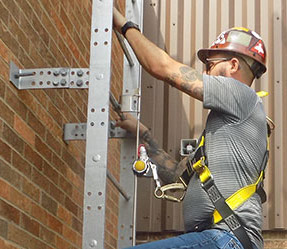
x=207, y=239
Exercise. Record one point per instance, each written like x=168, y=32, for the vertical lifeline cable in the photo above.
x=131, y=87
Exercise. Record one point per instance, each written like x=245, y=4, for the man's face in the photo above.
x=217, y=65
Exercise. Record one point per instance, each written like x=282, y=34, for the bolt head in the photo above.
x=63, y=82
x=96, y=158
x=100, y=76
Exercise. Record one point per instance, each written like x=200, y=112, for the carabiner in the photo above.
x=160, y=192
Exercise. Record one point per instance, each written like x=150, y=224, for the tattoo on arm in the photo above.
x=168, y=169
x=186, y=77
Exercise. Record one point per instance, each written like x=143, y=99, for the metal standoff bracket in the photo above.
x=78, y=131
x=40, y=78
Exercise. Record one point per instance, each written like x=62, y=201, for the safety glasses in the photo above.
x=211, y=62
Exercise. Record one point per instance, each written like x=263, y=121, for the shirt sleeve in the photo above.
x=230, y=97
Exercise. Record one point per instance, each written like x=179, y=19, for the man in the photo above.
x=235, y=132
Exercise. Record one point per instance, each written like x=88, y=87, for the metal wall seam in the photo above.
x=174, y=101
x=238, y=13
x=264, y=85
x=198, y=106
x=186, y=50
x=224, y=15
x=284, y=113
x=278, y=111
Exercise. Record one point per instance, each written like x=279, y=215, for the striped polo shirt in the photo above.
x=235, y=146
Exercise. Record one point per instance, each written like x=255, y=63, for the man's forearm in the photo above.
x=153, y=59
x=168, y=169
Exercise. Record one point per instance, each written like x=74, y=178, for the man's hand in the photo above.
x=119, y=20
x=130, y=124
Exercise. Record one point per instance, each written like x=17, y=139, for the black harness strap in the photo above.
x=219, y=202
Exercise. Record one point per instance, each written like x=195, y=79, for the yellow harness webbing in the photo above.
x=239, y=197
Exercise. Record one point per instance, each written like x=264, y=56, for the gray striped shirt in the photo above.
x=235, y=145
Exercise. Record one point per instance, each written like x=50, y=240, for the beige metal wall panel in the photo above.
x=181, y=27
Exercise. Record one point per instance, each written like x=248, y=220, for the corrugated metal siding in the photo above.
x=181, y=27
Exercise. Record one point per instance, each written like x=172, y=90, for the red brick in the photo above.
x=55, y=224
x=35, y=243
x=39, y=213
x=77, y=225
x=54, y=143
x=13, y=139
x=30, y=225
x=5, y=189
x=66, y=186
x=33, y=157
x=75, y=179
x=22, y=128
x=18, y=236
x=9, y=212
x=22, y=165
x=59, y=164
x=43, y=149
x=49, y=172
x=6, y=244
x=71, y=206
x=4, y=51
x=78, y=197
x=16, y=104
x=36, y=125
x=63, y=244
x=4, y=14
x=25, y=59
x=49, y=123
x=5, y=151
x=57, y=194
x=49, y=204
x=19, y=200
x=40, y=180
x=10, y=175
x=72, y=163
x=27, y=98
x=47, y=235
x=69, y=234
x=13, y=8
x=17, y=32
x=65, y=215
x=31, y=190
x=3, y=228
x=6, y=113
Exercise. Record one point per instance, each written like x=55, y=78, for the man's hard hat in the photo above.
x=241, y=41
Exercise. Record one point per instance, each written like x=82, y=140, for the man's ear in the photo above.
x=234, y=65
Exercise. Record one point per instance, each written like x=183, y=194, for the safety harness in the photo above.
x=224, y=207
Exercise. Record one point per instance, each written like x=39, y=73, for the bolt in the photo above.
x=79, y=82
x=96, y=158
x=63, y=82
x=55, y=83
x=93, y=243
x=112, y=133
x=63, y=72
x=56, y=73
x=80, y=73
x=100, y=76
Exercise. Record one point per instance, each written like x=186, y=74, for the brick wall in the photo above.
x=41, y=177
